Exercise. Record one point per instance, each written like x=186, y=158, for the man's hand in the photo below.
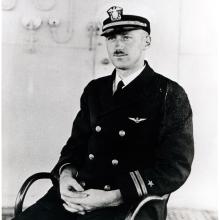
x=70, y=189
x=96, y=199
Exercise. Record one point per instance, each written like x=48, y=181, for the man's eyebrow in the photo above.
x=126, y=33
x=120, y=33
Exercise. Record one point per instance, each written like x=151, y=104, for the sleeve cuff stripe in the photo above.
x=141, y=182
x=61, y=168
x=138, y=188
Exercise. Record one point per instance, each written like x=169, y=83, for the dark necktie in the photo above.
x=119, y=88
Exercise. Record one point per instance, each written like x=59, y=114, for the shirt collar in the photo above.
x=127, y=79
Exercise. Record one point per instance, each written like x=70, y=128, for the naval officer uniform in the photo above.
x=133, y=135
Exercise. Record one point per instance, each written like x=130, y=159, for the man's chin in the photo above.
x=120, y=65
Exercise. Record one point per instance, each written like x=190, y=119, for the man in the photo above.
x=131, y=138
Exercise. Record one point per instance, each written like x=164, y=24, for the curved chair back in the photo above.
x=26, y=185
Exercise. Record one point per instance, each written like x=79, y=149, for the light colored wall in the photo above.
x=198, y=74
x=41, y=90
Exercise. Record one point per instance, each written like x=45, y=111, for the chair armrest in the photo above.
x=134, y=211
x=24, y=188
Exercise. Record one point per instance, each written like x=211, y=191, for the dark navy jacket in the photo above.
x=140, y=141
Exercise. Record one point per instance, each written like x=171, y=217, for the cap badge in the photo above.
x=115, y=13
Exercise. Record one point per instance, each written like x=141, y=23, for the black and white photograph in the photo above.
x=109, y=109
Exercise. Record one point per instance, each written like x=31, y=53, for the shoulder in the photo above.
x=175, y=96
x=99, y=82
x=173, y=88
x=177, y=108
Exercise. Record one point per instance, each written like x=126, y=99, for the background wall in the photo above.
x=42, y=84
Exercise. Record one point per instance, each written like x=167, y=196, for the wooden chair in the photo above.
x=44, y=175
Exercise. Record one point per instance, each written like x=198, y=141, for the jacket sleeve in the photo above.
x=74, y=150
x=173, y=155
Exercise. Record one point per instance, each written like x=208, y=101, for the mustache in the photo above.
x=119, y=52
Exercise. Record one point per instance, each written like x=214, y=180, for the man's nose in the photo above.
x=119, y=44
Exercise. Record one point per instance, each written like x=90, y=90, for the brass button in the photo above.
x=82, y=183
x=98, y=128
x=122, y=133
x=107, y=187
x=115, y=162
x=91, y=156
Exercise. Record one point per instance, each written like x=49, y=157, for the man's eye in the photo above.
x=110, y=38
x=126, y=37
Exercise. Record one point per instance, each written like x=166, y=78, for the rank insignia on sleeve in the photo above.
x=115, y=13
x=150, y=183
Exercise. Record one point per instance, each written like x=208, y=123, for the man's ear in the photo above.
x=148, y=40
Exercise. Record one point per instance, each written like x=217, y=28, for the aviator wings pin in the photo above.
x=137, y=120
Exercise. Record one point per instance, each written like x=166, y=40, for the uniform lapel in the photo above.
x=133, y=92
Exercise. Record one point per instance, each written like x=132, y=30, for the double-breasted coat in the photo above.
x=140, y=141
